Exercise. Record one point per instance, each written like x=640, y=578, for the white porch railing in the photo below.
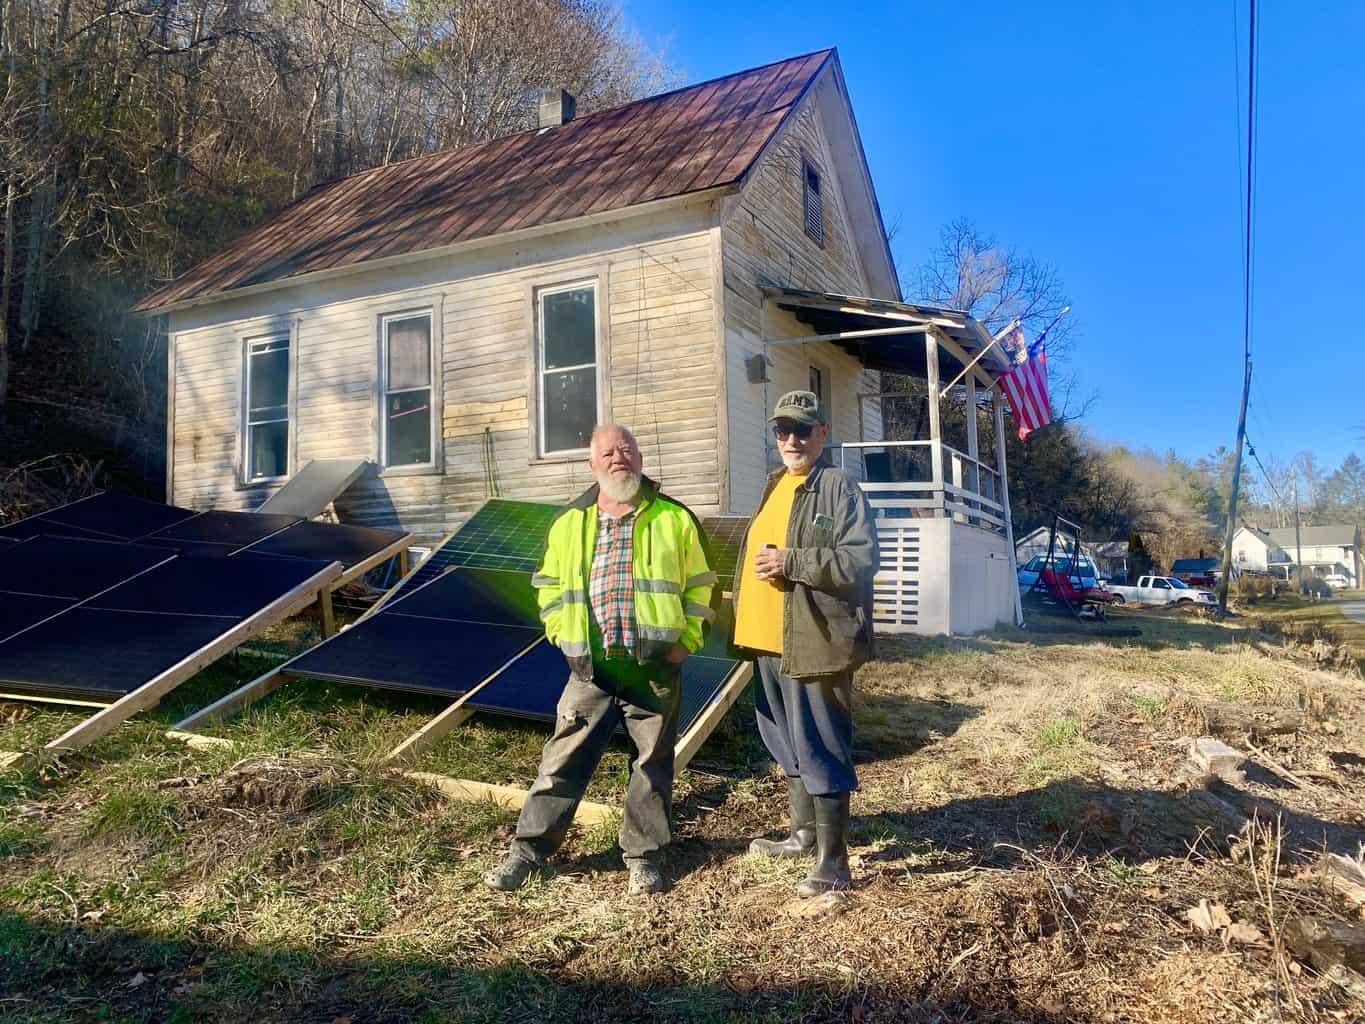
x=925, y=479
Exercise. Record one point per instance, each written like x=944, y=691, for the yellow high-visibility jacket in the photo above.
x=674, y=582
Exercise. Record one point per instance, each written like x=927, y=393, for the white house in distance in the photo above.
x=1326, y=550
x=462, y=320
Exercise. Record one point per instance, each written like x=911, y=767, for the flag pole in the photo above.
x=979, y=356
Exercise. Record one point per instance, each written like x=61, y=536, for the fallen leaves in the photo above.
x=1208, y=918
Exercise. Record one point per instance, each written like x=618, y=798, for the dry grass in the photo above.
x=1026, y=844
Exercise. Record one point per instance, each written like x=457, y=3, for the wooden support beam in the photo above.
x=329, y=619
x=398, y=548
x=690, y=742
x=67, y=701
x=440, y=726
x=588, y=813
x=931, y=342
x=149, y=694
x=847, y=335
x=998, y=408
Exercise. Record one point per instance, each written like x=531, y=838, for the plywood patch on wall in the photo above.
x=466, y=418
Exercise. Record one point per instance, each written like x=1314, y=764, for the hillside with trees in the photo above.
x=139, y=136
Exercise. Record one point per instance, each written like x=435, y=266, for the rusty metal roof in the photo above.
x=689, y=140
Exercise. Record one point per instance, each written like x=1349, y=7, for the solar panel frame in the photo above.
x=725, y=540
x=501, y=534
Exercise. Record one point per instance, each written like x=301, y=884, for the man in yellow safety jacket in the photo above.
x=625, y=591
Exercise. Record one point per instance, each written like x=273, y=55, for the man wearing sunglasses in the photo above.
x=803, y=612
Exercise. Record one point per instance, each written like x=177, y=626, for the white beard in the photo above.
x=800, y=463
x=619, y=490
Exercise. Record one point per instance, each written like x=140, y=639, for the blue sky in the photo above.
x=1103, y=137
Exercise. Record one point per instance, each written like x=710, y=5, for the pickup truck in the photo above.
x=1161, y=590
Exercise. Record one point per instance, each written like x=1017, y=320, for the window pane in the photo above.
x=409, y=353
x=409, y=429
x=570, y=328
x=570, y=409
x=268, y=387
x=269, y=454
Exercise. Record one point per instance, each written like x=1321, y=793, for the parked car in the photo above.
x=1028, y=572
x=1197, y=572
x=1336, y=581
x=1162, y=590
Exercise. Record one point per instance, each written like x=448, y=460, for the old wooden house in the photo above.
x=462, y=319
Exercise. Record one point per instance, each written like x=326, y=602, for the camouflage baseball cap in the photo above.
x=801, y=406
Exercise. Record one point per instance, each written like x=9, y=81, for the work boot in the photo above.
x=802, y=839
x=510, y=875
x=831, y=848
x=645, y=878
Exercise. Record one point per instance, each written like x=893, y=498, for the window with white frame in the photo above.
x=266, y=428
x=408, y=423
x=566, y=365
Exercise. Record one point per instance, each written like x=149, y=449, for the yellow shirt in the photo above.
x=758, y=617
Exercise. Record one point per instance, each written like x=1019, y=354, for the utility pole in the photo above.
x=1298, y=537
x=1232, y=498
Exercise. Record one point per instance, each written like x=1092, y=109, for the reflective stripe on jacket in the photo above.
x=673, y=580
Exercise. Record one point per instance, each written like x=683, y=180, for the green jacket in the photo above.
x=674, y=582
x=831, y=558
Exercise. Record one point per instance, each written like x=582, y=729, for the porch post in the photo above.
x=935, y=417
x=998, y=408
x=973, y=443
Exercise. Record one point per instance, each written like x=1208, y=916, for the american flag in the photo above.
x=1026, y=385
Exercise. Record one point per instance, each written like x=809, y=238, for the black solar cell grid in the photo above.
x=725, y=537
x=37, y=526
x=19, y=611
x=64, y=567
x=473, y=595
x=219, y=527
x=402, y=652
x=349, y=545
x=502, y=534
x=116, y=515
x=232, y=589
x=87, y=652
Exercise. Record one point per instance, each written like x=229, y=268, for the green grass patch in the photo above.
x=1153, y=709
x=1059, y=733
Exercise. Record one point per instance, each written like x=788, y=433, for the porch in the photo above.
x=935, y=472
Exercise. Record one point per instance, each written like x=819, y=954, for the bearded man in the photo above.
x=625, y=590
x=803, y=612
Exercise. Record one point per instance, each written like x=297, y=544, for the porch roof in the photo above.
x=901, y=352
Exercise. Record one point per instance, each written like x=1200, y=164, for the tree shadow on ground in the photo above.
x=95, y=972
x=1095, y=821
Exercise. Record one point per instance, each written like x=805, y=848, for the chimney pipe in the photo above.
x=556, y=108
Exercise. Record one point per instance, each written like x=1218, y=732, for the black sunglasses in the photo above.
x=801, y=430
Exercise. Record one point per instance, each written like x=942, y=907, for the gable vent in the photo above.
x=812, y=202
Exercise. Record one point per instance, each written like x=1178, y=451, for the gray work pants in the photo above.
x=807, y=725
x=646, y=700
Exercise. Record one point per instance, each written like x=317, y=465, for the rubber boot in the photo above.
x=831, y=870
x=801, y=842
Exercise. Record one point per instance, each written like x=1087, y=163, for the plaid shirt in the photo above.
x=611, y=586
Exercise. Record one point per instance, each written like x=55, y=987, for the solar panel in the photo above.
x=120, y=518
x=19, y=611
x=116, y=515
x=502, y=534
x=404, y=652
x=333, y=542
x=725, y=537
x=71, y=569
x=235, y=528
x=474, y=595
x=86, y=652
x=230, y=589
x=309, y=491
x=145, y=610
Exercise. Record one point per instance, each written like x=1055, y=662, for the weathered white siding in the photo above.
x=765, y=243
x=656, y=292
